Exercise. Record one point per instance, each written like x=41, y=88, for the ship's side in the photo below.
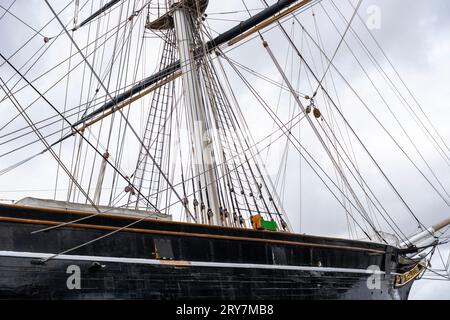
x=170, y=260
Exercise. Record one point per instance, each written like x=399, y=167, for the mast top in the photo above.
x=164, y=22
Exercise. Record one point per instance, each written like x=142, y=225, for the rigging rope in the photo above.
x=404, y=131
x=106, y=90
x=420, y=224
x=49, y=148
x=287, y=133
x=338, y=47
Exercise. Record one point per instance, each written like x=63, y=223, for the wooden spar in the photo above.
x=130, y=101
x=268, y=22
x=425, y=235
x=442, y=225
x=96, y=14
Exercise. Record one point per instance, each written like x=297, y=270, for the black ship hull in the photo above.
x=168, y=260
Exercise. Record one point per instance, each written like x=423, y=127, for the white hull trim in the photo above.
x=36, y=255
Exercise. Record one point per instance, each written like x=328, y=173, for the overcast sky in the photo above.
x=413, y=34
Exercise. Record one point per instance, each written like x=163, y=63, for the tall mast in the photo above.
x=249, y=26
x=184, y=14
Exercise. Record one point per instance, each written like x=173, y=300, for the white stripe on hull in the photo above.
x=36, y=255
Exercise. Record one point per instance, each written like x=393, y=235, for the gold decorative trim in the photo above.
x=405, y=278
